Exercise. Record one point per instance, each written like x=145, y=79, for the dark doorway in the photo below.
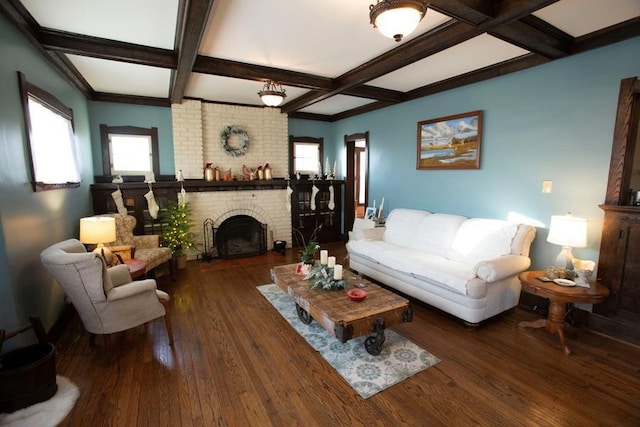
x=357, y=177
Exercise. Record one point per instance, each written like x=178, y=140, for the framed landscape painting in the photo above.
x=451, y=142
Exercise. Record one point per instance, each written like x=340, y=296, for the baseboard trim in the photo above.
x=61, y=324
x=612, y=327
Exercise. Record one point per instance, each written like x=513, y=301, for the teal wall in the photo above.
x=31, y=221
x=116, y=114
x=552, y=122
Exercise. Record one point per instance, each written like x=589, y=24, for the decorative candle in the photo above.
x=380, y=210
x=331, y=262
x=337, y=272
x=324, y=254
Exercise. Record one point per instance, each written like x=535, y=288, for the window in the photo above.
x=129, y=151
x=305, y=155
x=52, y=144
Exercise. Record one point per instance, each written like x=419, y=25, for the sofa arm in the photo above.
x=147, y=241
x=492, y=270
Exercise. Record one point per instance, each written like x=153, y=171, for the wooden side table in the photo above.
x=558, y=297
x=136, y=267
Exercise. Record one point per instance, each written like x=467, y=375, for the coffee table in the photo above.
x=343, y=318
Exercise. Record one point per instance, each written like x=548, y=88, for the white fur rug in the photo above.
x=48, y=413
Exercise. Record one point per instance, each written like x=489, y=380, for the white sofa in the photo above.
x=467, y=267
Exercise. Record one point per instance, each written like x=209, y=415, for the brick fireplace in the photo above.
x=196, y=138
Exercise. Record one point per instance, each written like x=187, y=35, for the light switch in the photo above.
x=546, y=186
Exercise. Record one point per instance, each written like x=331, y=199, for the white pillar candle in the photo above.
x=337, y=272
x=324, y=254
x=331, y=262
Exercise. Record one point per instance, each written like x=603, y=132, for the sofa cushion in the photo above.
x=421, y=230
x=400, y=227
x=435, y=269
x=480, y=239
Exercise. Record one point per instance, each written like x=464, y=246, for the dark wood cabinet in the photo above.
x=133, y=196
x=619, y=260
x=619, y=263
x=305, y=219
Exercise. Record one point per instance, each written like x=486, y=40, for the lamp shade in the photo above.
x=397, y=18
x=95, y=230
x=568, y=230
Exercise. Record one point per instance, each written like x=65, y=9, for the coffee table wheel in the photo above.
x=304, y=315
x=373, y=344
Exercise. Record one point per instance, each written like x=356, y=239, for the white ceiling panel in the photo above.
x=580, y=17
x=336, y=103
x=226, y=89
x=123, y=78
x=471, y=55
x=325, y=38
x=145, y=22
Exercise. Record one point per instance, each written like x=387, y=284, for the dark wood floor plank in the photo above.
x=236, y=361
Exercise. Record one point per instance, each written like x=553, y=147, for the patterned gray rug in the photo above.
x=367, y=374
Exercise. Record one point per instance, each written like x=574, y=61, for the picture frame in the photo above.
x=451, y=142
x=370, y=213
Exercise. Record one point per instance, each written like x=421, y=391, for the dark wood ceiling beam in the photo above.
x=472, y=12
x=423, y=46
x=613, y=34
x=310, y=116
x=18, y=15
x=196, y=14
x=131, y=99
x=476, y=76
x=97, y=47
x=260, y=73
x=537, y=36
x=63, y=64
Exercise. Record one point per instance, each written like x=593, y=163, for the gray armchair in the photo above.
x=106, y=299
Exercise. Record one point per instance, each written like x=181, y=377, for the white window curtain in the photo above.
x=54, y=152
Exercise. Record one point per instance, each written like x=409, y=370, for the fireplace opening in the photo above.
x=240, y=236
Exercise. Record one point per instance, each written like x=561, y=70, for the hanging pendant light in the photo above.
x=397, y=18
x=272, y=94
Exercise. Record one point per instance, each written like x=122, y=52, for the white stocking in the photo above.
x=153, y=206
x=182, y=197
x=332, y=203
x=314, y=193
x=117, y=197
x=289, y=193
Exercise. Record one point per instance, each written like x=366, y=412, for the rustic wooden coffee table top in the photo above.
x=338, y=314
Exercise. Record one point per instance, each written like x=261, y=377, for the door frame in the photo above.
x=349, y=192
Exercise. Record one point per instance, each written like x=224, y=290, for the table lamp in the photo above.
x=569, y=232
x=98, y=230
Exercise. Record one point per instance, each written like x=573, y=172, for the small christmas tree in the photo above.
x=176, y=234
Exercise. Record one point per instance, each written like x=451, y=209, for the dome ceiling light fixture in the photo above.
x=272, y=94
x=397, y=18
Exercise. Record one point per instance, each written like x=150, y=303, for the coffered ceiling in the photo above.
x=330, y=60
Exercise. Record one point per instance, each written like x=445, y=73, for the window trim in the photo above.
x=306, y=140
x=128, y=130
x=55, y=105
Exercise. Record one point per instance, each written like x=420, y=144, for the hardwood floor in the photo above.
x=237, y=362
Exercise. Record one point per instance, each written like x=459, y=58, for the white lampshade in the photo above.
x=395, y=18
x=569, y=232
x=96, y=229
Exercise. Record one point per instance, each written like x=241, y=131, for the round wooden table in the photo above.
x=136, y=267
x=558, y=297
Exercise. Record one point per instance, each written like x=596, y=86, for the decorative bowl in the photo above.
x=357, y=294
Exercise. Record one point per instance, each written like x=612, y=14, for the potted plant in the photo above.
x=176, y=232
x=308, y=252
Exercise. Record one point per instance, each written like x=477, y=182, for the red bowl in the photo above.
x=356, y=294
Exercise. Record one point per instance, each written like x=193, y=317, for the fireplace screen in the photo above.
x=240, y=236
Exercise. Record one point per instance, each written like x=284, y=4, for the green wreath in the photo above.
x=244, y=140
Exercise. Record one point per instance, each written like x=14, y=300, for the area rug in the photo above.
x=48, y=413
x=400, y=358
